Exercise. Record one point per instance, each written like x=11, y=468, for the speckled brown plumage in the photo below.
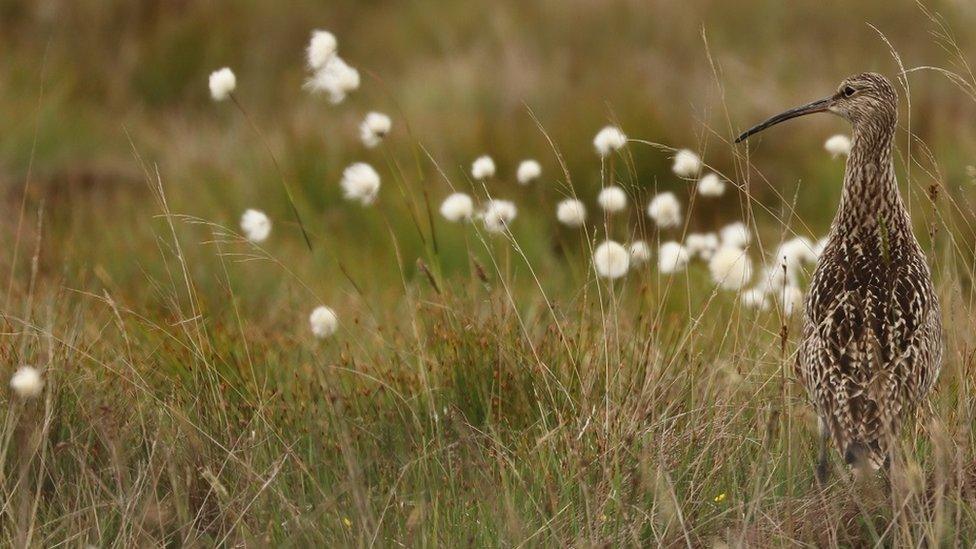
x=872, y=337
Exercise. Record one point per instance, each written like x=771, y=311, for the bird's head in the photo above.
x=866, y=100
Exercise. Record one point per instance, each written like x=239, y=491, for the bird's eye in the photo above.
x=848, y=91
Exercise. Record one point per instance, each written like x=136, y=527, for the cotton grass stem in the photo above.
x=281, y=174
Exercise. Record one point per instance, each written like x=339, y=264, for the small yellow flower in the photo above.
x=720, y=498
x=348, y=523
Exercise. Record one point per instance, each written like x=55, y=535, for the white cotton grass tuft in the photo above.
x=711, y=185
x=736, y=235
x=838, y=145
x=608, y=140
x=256, y=225
x=793, y=254
x=730, y=268
x=528, y=171
x=702, y=245
x=640, y=252
x=336, y=78
x=483, y=167
x=323, y=322
x=612, y=199
x=498, y=214
x=774, y=278
x=611, y=260
x=222, y=82
x=686, y=164
x=819, y=247
x=360, y=183
x=374, y=127
x=672, y=257
x=571, y=212
x=26, y=382
x=321, y=47
x=791, y=299
x=755, y=298
x=457, y=207
x=665, y=210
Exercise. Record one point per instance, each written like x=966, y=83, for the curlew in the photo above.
x=871, y=348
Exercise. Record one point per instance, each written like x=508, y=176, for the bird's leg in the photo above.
x=823, y=464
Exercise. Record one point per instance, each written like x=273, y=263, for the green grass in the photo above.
x=504, y=397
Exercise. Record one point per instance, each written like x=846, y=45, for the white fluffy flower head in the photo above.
x=26, y=382
x=837, y=145
x=360, y=183
x=791, y=298
x=702, y=245
x=528, y=171
x=612, y=199
x=736, y=235
x=321, y=48
x=457, y=207
x=665, y=210
x=711, y=185
x=640, y=252
x=336, y=78
x=730, y=268
x=222, y=83
x=483, y=167
x=323, y=321
x=755, y=299
x=608, y=140
x=256, y=225
x=686, y=164
x=498, y=214
x=819, y=247
x=571, y=212
x=794, y=253
x=374, y=128
x=611, y=260
x=672, y=257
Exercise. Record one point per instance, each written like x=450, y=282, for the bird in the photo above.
x=871, y=346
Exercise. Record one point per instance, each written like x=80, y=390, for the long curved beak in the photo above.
x=821, y=105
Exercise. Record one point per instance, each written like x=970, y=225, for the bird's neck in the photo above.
x=870, y=196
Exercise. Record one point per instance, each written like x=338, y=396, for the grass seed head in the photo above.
x=672, y=258
x=702, y=245
x=457, y=207
x=336, y=79
x=611, y=260
x=838, y=145
x=374, y=128
x=612, y=199
x=730, y=268
x=686, y=164
x=360, y=183
x=711, y=185
x=665, y=210
x=222, y=83
x=736, y=235
x=256, y=225
x=498, y=214
x=640, y=252
x=608, y=140
x=321, y=48
x=26, y=382
x=528, y=171
x=323, y=322
x=483, y=167
x=571, y=212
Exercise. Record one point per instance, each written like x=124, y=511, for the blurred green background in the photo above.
x=87, y=85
